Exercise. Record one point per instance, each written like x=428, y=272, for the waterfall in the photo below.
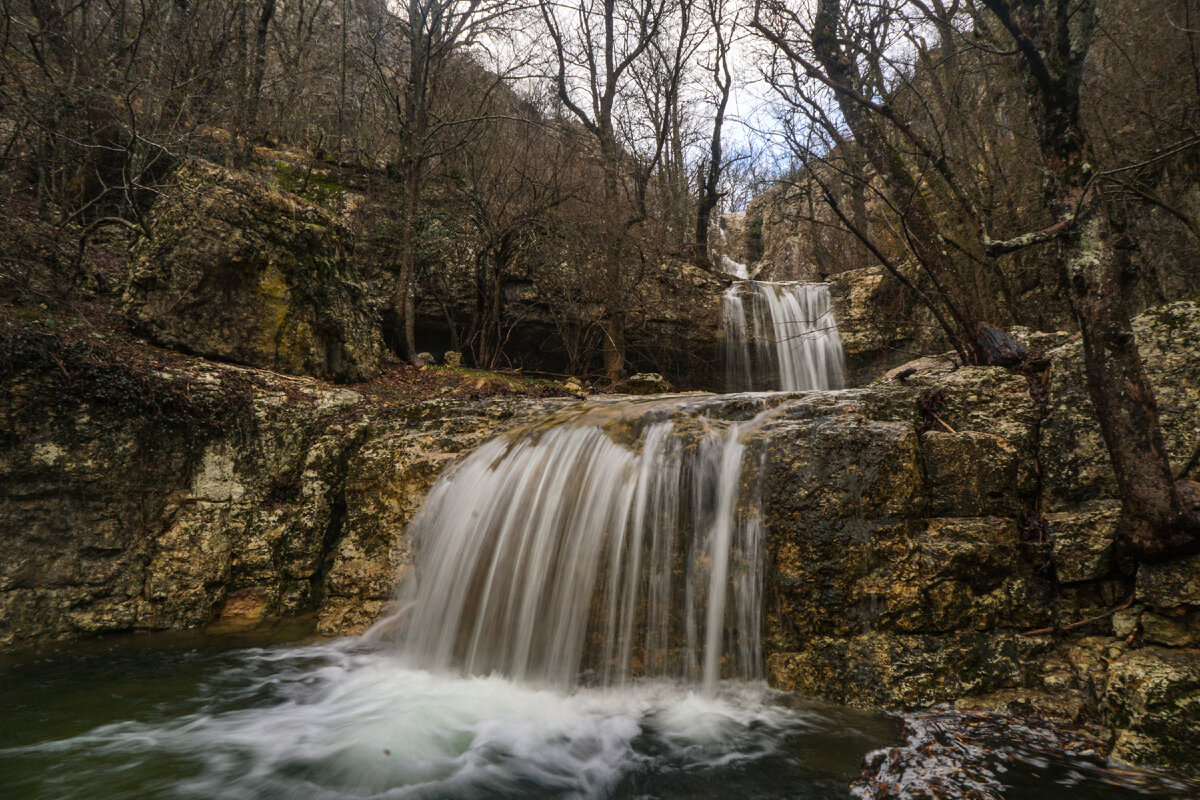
x=734, y=268
x=790, y=342
x=611, y=541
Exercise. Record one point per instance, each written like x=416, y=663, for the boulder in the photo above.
x=237, y=270
x=643, y=383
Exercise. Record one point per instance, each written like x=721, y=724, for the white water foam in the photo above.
x=342, y=722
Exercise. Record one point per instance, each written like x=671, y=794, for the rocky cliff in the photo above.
x=952, y=539
x=144, y=490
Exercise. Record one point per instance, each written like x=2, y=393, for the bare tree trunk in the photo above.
x=254, y=87
x=613, y=346
x=924, y=238
x=402, y=305
x=1153, y=519
x=711, y=173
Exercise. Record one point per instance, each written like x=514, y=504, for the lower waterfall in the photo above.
x=617, y=541
x=581, y=622
x=781, y=337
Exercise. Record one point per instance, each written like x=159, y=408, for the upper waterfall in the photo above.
x=781, y=336
x=616, y=539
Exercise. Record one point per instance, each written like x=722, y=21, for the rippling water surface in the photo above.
x=338, y=720
x=188, y=717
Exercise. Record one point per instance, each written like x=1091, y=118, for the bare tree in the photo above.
x=412, y=61
x=724, y=26
x=1053, y=38
x=596, y=44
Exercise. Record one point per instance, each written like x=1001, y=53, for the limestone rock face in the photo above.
x=876, y=668
x=294, y=501
x=899, y=572
x=1153, y=699
x=239, y=271
x=872, y=344
x=114, y=521
x=1171, y=584
x=386, y=481
x=1084, y=542
x=948, y=538
x=929, y=536
x=1076, y=461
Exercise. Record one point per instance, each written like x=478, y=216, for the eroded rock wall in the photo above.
x=119, y=513
x=241, y=271
x=952, y=538
x=117, y=520
x=946, y=538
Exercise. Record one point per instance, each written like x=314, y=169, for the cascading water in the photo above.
x=781, y=336
x=556, y=564
x=621, y=540
x=734, y=268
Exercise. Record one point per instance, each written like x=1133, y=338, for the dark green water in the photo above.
x=191, y=716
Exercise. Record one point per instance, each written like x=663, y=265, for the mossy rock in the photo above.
x=240, y=271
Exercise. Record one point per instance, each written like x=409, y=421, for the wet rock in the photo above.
x=1170, y=584
x=245, y=608
x=387, y=478
x=144, y=523
x=1083, y=543
x=973, y=473
x=643, y=383
x=952, y=575
x=1152, y=701
x=871, y=345
x=1077, y=468
x=900, y=671
x=987, y=756
x=239, y=271
x=1175, y=627
x=833, y=479
x=925, y=365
